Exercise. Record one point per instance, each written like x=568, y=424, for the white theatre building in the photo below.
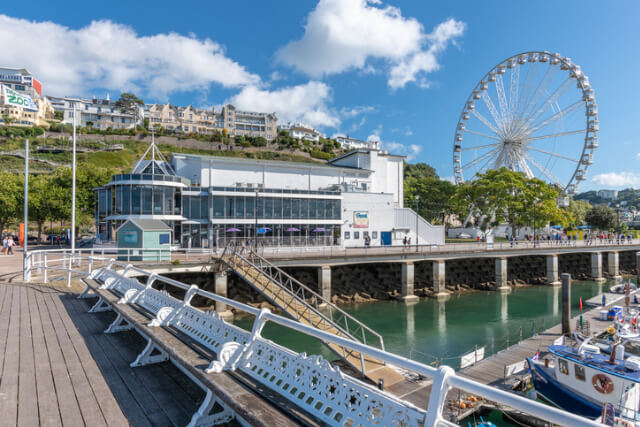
x=213, y=199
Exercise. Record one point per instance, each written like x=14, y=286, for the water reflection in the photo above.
x=504, y=307
x=411, y=324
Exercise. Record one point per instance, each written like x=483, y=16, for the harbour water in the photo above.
x=433, y=330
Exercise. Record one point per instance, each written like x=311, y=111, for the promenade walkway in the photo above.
x=57, y=367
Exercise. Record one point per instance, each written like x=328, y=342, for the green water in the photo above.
x=444, y=330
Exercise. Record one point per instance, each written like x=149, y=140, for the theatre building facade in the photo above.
x=210, y=200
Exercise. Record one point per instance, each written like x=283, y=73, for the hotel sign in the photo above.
x=361, y=219
x=11, y=97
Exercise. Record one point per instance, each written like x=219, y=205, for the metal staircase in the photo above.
x=306, y=306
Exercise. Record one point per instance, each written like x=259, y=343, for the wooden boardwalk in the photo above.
x=57, y=367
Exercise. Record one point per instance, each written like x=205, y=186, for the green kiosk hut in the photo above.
x=149, y=240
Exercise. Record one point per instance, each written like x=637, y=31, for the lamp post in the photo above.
x=25, y=271
x=535, y=240
x=618, y=214
x=417, y=201
x=255, y=230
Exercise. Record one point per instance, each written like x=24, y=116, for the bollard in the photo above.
x=45, y=268
x=566, y=304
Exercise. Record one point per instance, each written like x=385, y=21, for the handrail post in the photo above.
x=45, y=267
x=39, y=262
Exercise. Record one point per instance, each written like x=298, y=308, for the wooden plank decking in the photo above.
x=57, y=367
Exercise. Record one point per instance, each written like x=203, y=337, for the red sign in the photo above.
x=37, y=86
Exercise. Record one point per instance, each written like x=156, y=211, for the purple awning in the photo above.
x=232, y=230
x=316, y=230
x=292, y=229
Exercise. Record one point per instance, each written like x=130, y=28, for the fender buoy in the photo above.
x=611, y=330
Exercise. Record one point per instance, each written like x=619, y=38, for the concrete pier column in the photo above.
x=613, y=265
x=324, y=282
x=552, y=270
x=501, y=275
x=596, y=267
x=439, y=283
x=566, y=304
x=407, y=282
x=220, y=288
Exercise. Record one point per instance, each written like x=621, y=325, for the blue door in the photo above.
x=385, y=238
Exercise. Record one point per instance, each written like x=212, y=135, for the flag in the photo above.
x=580, y=303
x=16, y=99
x=536, y=356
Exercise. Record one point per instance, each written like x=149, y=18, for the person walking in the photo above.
x=5, y=242
x=10, y=245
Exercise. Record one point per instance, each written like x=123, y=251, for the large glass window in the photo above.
x=204, y=207
x=268, y=207
x=260, y=208
x=249, y=207
x=158, y=200
x=135, y=200
x=228, y=207
x=277, y=207
x=186, y=209
x=313, y=203
x=195, y=207
x=168, y=201
x=295, y=208
x=328, y=209
x=239, y=207
x=147, y=200
x=286, y=208
x=126, y=200
x=304, y=209
x=218, y=206
x=118, y=206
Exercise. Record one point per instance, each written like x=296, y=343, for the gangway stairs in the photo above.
x=304, y=305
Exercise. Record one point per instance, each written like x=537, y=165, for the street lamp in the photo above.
x=255, y=230
x=535, y=238
x=618, y=213
x=417, y=200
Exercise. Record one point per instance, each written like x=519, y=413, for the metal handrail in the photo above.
x=276, y=278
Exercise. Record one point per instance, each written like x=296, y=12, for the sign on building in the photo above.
x=11, y=97
x=361, y=219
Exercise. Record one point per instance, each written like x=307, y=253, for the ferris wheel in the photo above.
x=534, y=113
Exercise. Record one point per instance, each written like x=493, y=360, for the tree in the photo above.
x=504, y=196
x=419, y=171
x=578, y=209
x=601, y=217
x=11, y=188
x=7, y=119
x=434, y=194
x=129, y=103
x=45, y=200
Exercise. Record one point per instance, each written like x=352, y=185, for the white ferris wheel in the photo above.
x=535, y=113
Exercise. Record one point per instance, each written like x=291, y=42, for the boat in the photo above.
x=583, y=380
x=620, y=288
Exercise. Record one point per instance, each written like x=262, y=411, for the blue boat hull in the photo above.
x=560, y=396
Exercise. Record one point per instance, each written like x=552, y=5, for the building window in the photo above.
x=347, y=235
x=19, y=87
x=356, y=235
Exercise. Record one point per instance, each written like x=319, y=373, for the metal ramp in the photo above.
x=306, y=306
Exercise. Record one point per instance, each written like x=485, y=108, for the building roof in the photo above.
x=271, y=162
x=147, y=224
x=365, y=151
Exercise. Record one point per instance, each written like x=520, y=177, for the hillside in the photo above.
x=628, y=195
x=120, y=152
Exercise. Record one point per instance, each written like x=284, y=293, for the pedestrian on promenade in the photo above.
x=404, y=241
x=10, y=245
x=511, y=239
x=5, y=242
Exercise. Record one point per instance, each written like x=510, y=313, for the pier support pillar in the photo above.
x=566, y=304
x=439, y=279
x=596, y=267
x=220, y=288
x=324, y=282
x=552, y=270
x=613, y=265
x=501, y=275
x=407, y=282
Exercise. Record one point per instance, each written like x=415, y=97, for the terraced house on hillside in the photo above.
x=194, y=120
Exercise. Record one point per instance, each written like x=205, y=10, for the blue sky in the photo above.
x=400, y=71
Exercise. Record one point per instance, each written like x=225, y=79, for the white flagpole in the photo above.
x=73, y=187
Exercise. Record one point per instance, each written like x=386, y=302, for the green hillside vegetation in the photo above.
x=629, y=195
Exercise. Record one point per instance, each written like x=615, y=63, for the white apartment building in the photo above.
x=608, y=194
x=301, y=131
x=21, y=80
x=349, y=143
x=97, y=113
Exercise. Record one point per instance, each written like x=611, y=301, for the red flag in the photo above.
x=580, y=303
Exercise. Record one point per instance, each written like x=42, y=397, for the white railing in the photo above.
x=309, y=381
x=427, y=232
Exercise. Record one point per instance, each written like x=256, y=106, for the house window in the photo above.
x=356, y=235
x=347, y=235
x=563, y=366
x=580, y=375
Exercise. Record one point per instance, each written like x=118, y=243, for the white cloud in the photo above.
x=618, y=179
x=349, y=112
x=353, y=32
x=307, y=103
x=411, y=150
x=112, y=56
